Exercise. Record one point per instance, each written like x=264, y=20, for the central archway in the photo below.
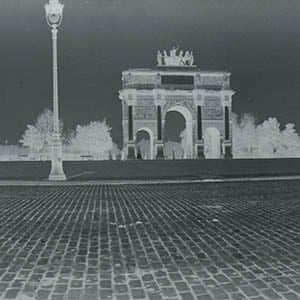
x=187, y=134
x=174, y=126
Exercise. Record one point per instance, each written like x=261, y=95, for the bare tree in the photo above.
x=265, y=140
x=38, y=137
x=92, y=139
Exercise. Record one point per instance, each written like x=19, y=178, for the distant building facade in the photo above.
x=204, y=99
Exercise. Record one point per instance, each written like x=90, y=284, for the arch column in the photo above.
x=130, y=146
x=159, y=146
x=227, y=149
x=199, y=145
x=212, y=143
x=189, y=145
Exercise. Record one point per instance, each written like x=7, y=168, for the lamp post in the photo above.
x=54, y=14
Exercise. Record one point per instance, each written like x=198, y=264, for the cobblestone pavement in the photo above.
x=173, y=241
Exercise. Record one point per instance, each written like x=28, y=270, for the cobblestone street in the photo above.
x=162, y=241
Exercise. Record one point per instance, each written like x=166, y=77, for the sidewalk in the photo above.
x=141, y=181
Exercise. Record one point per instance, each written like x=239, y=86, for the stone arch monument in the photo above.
x=203, y=98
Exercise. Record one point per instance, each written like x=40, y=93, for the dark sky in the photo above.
x=258, y=41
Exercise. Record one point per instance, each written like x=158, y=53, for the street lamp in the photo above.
x=54, y=15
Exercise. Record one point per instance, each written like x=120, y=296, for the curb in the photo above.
x=141, y=182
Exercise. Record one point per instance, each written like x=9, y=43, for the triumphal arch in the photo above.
x=176, y=84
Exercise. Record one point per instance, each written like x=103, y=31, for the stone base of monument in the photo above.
x=228, y=152
x=160, y=152
x=131, y=152
x=200, y=151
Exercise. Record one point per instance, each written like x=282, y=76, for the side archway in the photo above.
x=212, y=143
x=144, y=147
